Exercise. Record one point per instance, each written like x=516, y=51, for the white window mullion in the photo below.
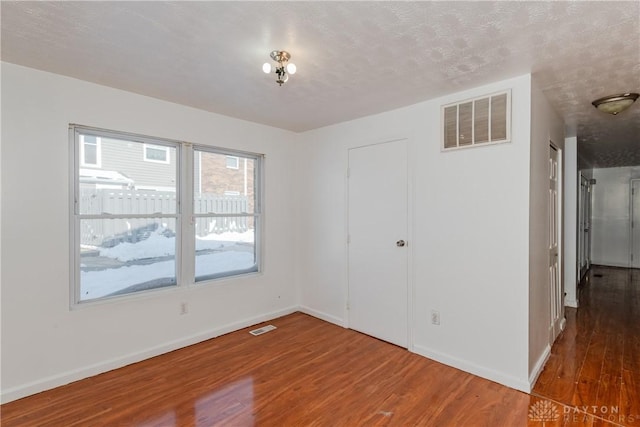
x=74, y=223
x=187, y=220
x=259, y=188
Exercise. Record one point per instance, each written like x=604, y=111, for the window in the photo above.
x=125, y=239
x=156, y=153
x=90, y=150
x=233, y=162
x=135, y=236
x=227, y=212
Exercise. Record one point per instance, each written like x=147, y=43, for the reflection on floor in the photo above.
x=595, y=362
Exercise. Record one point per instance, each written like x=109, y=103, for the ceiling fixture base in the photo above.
x=615, y=104
x=280, y=55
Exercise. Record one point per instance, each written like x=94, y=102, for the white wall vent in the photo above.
x=475, y=122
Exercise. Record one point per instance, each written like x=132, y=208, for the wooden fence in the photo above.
x=110, y=232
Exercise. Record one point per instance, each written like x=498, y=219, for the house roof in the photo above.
x=354, y=58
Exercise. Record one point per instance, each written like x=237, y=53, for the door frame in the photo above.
x=410, y=232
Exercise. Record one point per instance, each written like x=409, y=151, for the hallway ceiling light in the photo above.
x=283, y=68
x=614, y=104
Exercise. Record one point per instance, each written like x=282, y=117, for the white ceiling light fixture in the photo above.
x=283, y=68
x=614, y=104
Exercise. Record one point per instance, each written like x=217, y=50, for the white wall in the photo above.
x=44, y=343
x=546, y=128
x=470, y=238
x=571, y=189
x=610, y=216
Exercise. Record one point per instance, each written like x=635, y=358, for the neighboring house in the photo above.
x=153, y=167
x=150, y=167
x=223, y=175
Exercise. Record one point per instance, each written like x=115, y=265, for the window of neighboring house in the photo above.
x=233, y=162
x=128, y=239
x=90, y=151
x=227, y=229
x=156, y=153
x=124, y=240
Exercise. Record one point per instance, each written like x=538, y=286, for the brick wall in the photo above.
x=217, y=178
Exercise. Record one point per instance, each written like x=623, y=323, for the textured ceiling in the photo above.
x=353, y=58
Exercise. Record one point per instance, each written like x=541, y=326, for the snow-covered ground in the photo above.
x=233, y=251
x=158, y=245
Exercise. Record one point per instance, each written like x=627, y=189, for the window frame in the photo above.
x=185, y=254
x=257, y=213
x=167, y=153
x=98, y=163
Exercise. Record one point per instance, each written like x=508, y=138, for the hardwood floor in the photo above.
x=312, y=373
x=595, y=363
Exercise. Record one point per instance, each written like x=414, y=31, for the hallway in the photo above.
x=595, y=362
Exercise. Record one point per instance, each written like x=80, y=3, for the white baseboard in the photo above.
x=77, y=374
x=539, y=366
x=322, y=316
x=571, y=303
x=472, y=368
x=609, y=264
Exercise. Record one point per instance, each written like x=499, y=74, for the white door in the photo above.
x=635, y=223
x=377, y=236
x=555, y=287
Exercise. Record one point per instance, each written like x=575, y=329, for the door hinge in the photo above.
x=348, y=172
x=348, y=306
x=348, y=238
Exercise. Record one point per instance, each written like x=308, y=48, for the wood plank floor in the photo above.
x=595, y=362
x=312, y=373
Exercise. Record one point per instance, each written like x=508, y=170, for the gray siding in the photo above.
x=127, y=157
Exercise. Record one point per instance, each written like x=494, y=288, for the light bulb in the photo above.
x=266, y=67
x=291, y=68
x=286, y=77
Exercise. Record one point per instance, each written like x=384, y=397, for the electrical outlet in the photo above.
x=435, y=317
x=184, y=308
